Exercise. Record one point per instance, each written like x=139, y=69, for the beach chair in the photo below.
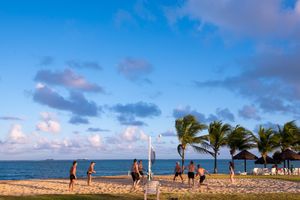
x=152, y=187
x=286, y=171
x=273, y=171
x=255, y=171
x=260, y=171
x=280, y=172
x=297, y=170
x=266, y=171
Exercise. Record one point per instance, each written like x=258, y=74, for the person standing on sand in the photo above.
x=231, y=171
x=141, y=170
x=201, y=172
x=191, y=173
x=89, y=173
x=72, y=175
x=178, y=171
x=135, y=174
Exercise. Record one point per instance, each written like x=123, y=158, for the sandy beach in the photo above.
x=122, y=185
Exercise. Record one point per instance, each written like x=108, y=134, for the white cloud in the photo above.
x=16, y=141
x=16, y=134
x=129, y=141
x=95, y=140
x=143, y=136
x=17, y=144
x=48, y=123
x=65, y=145
x=47, y=115
x=39, y=86
x=133, y=133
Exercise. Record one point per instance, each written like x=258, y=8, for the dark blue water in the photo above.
x=14, y=170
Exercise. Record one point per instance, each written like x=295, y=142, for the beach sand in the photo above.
x=122, y=185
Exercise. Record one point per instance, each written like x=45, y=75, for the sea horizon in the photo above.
x=52, y=169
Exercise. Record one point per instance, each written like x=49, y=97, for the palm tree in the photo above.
x=187, y=129
x=217, y=133
x=240, y=139
x=296, y=147
x=265, y=142
x=287, y=136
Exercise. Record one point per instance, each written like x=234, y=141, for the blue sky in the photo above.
x=91, y=79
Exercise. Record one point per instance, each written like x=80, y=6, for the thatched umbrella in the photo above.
x=269, y=160
x=244, y=155
x=289, y=155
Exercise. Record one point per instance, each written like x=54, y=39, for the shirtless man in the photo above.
x=178, y=172
x=191, y=173
x=72, y=176
x=89, y=173
x=141, y=170
x=135, y=174
x=201, y=172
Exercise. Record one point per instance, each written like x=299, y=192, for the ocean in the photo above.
x=17, y=170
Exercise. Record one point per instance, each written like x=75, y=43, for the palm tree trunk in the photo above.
x=265, y=160
x=232, y=160
x=288, y=162
x=215, y=168
x=182, y=161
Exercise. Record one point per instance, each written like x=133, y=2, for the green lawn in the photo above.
x=287, y=196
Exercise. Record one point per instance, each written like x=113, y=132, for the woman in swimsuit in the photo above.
x=135, y=174
x=89, y=173
x=141, y=170
x=231, y=171
x=191, y=173
x=72, y=176
x=178, y=172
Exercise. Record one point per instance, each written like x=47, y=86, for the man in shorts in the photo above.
x=201, y=172
x=178, y=171
x=72, y=176
x=191, y=173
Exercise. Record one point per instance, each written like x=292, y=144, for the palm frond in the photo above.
x=202, y=150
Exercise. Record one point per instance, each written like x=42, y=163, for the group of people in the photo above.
x=200, y=171
x=73, y=176
x=137, y=173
